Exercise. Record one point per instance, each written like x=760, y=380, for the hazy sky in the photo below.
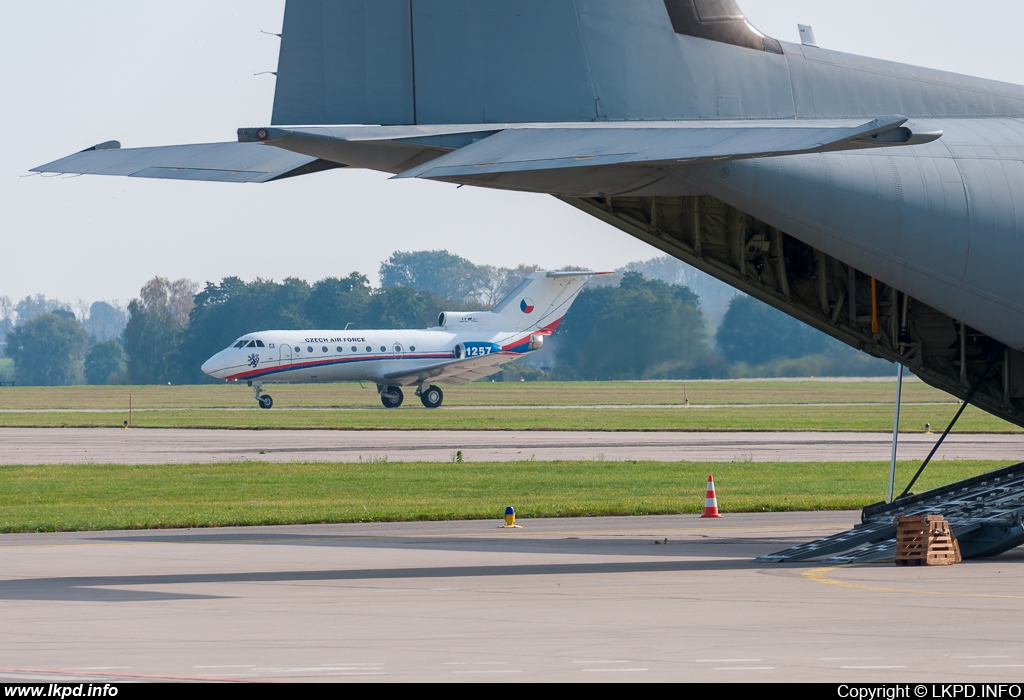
x=78, y=73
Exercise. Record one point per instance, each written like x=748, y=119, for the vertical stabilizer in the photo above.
x=540, y=302
x=393, y=62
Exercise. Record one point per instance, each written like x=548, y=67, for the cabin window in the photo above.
x=369, y=349
x=324, y=348
x=398, y=349
x=412, y=348
x=355, y=349
x=383, y=348
x=298, y=349
x=309, y=349
x=340, y=349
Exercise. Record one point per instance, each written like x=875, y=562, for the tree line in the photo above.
x=625, y=327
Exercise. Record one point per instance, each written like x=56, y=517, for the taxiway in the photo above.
x=605, y=599
x=176, y=446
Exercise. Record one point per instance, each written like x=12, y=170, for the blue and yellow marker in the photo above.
x=510, y=518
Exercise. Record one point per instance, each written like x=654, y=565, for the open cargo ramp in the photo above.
x=986, y=514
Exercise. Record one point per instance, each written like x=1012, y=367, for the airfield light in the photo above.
x=510, y=518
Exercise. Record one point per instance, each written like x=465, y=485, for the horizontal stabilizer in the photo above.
x=531, y=148
x=216, y=162
x=454, y=372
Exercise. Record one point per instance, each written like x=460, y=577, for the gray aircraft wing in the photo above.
x=216, y=162
x=550, y=147
x=264, y=155
x=454, y=372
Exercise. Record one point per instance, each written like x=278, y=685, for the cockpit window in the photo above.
x=241, y=343
x=259, y=344
x=718, y=20
x=717, y=10
x=252, y=344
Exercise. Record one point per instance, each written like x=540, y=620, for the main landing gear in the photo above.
x=431, y=397
x=391, y=396
x=264, y=400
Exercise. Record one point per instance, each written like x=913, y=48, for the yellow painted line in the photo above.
x=823, y=575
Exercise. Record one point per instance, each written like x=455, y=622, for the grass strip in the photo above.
x=674, y=393
x=676, y=419
x=48, y=498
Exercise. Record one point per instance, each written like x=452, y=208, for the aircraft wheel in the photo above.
x=392, y=397
x=432, y=397
x=266, y=401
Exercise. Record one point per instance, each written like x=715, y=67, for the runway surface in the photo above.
x=73, y=445
x=605, y=599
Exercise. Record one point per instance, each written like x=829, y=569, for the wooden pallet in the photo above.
x=925, y=540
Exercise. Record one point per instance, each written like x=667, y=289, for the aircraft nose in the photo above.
x=211, y=366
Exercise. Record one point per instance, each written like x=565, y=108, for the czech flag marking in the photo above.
x=527, y=306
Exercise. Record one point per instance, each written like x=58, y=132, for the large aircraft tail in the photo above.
x=404, y=62
x=537, y=305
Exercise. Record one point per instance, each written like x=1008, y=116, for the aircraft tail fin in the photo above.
x=540, y=302
x=404, y=62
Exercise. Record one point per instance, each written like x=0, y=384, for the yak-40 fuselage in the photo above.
x=881, y=203
x=464, y=347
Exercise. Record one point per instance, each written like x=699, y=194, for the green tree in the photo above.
x=225, y=311
x=334, y=303
x=105, y=363
x=438, y=272
x=49, y=350
x=759, y=341
x=403, y=307
x=156, y=325
x=105, y=321
x=32, y=307
x=642, y=329
x=755, y=333
x=714, y=294
x=500, y=281
x=7, y=317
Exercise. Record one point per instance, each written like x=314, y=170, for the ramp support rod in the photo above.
x=959, y=413
x=896, y=429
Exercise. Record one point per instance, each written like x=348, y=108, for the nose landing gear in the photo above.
x=264, y=400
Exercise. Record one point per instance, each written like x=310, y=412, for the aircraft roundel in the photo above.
x=527, y=306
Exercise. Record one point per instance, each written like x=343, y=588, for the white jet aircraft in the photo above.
x=464, y=346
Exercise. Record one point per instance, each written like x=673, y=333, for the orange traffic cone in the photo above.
x=711, y=502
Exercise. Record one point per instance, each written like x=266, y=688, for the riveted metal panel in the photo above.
x=489, y=62
x=345, y=62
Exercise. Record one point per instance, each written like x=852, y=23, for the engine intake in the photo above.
x=455, y=319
